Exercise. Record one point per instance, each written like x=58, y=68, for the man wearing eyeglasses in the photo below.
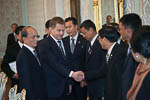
x=29, y=67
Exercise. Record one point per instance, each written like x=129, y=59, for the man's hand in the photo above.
x=83, y=83
x=78, y=76
x=70, y=89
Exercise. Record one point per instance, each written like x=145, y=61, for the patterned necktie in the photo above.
x=60, y=47
x=35, y=54
x=90, y=48
x=107, y=58
x=72, y=46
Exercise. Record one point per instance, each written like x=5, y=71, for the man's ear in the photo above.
x=24, y=39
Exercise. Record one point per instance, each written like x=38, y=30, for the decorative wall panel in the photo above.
x=141, y=7
x=107, y=9
x=86, y=7
x=10, y=12
x=36, y=16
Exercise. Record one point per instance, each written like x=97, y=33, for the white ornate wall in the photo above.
x=107, y=7
x=39, y=11
x=86, y=7
x=141, y=7
x=10, y=12
x=36, y=16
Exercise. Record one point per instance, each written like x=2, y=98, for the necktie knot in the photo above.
x=59, y=42
x=61, y=49
x=72, y=39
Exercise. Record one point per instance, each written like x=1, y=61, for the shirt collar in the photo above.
x=93, y=40
x=20, y=44
x=75, y=38
x=30, y=48
x=56, y=40
x=110, y=49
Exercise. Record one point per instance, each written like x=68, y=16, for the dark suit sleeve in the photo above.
x=24, y=76
x=5, y=64
x=57, y=65
x=100, y=73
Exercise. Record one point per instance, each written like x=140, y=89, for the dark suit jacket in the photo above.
x=112, y=73
x=30, y=75
x=56, y=67
x=94, y=62
x=77, y=60
x=128, y=71
x=11, y=39
x=10, y=56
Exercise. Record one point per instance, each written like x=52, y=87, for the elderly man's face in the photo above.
x=32, y=38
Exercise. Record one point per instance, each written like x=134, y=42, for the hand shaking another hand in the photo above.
x=78, y=76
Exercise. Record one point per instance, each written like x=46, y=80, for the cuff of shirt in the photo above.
x=70, y=75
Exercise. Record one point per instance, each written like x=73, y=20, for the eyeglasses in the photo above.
x=34, y=36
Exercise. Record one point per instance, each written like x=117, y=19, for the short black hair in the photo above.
x=87, y=24
x=18, y=29
x=132, y=21
x=47, y=24
x=140, y=42
x=115, y=25
x=110, y=33
x=73, y=19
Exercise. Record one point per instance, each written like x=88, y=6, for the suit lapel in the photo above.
x=78, y=44
x=31, y=56
x=95, y=46
x=113, y=52
x=54, y=47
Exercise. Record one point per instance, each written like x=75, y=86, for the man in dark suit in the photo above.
x=94, y=58
x=54, y=59
x=47, y=29
x=111, y=69
x=77, y=49
x=11, y=39
x=29, y=67
x=129, y=23
x=11, y=56
x=108, y=37
x=108, y=21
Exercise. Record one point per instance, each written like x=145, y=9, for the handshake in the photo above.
x=78, y=76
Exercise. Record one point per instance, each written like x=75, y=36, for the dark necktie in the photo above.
x=35, y=54
x=61, y=49
x=72, y=46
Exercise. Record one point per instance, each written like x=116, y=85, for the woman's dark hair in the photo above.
x=18, y=29
x=140, y=41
